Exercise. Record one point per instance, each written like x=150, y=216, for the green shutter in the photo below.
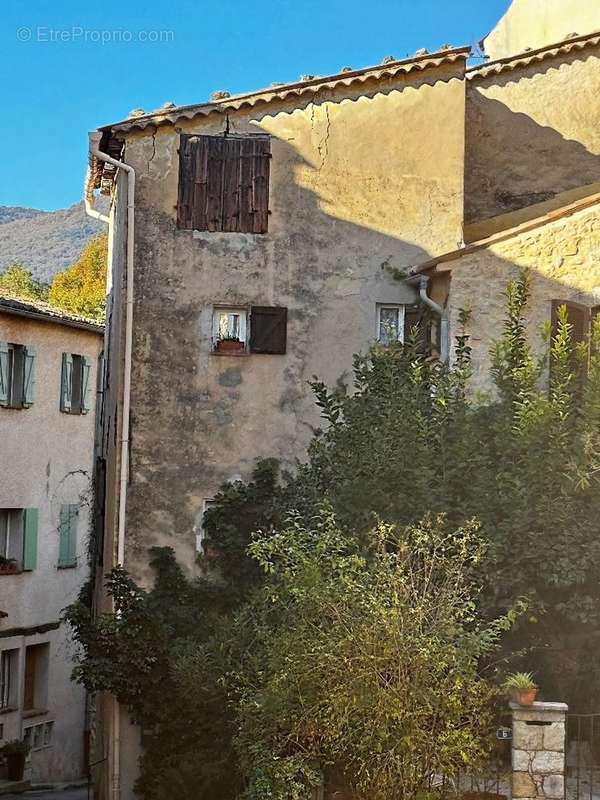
x=29, y=380
x=66, y=382
x=86, y=373
x=30, y=538
x=67, y=548
x=4, y=374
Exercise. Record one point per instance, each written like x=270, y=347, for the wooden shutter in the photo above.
x=268, y=329
x=30, y=538
x=260, y=183
x=416, y=320
x=224, y=183
x=579, y=317
x=231, y=187
x=4, y=375
x=29, y=378
x=67, y=529
x=66, y=383
x=86, y=389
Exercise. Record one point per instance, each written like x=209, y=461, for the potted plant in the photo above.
x=229, y=344
x=15, y=753
x=8, y=565
x=522, y=687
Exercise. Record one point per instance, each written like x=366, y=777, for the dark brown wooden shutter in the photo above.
x=224, y=183
x=268, y=329
x=579, y=317
x=260, y=183
x=415, y=316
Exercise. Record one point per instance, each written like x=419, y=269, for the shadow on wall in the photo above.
x=216, y=416
x=511, y=160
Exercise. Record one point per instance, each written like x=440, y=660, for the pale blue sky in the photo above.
x=59, y=79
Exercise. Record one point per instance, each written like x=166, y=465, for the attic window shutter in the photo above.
x=268, y=330
x=224, y=183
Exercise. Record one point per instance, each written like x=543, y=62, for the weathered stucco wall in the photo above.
x=531, y=133
x=537, y=23
x=357, y=184
x=564, y=259
x=47, y=459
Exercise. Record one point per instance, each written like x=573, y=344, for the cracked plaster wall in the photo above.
x=357, y=184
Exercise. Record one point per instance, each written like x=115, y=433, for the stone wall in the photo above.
x=564, y=259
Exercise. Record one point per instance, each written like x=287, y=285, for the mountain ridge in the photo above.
x=45, y=242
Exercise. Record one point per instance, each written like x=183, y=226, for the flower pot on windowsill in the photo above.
x=229, y=346
x=8, y=566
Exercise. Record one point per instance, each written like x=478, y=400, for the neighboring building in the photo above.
x=270, y=231
x=529, y=24
x=48, y=379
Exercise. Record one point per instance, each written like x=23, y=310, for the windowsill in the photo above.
x=12, y=572
x=34, y=712
x=67, y=566
x=9, y=709
x=235, y=353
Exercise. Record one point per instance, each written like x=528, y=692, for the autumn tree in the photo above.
x=16, y=281
x=81, y=288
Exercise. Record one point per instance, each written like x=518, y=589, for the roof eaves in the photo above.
x=509, y=233
x=45, y=313
x=296, y=89
x=529, y=57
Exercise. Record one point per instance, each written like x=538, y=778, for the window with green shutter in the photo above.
x=75, y=384
x=67, y=530
x=17, y=375
x=30, y=538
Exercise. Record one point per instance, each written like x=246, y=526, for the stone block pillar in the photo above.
x=538, y=751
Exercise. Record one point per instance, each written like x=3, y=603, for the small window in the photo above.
x=229, y=330
x=67, y=531
x=390, y=323
x=11, y=539
x=9, y=670
x=16, y=375
x=35, y=693
x=200, y=527
x=75, y=388
x=224, y=183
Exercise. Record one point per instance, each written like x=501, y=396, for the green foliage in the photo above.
x=365, y=661
x=520, y=680
x=18, y=282
x=295, y=650
x=81, y=289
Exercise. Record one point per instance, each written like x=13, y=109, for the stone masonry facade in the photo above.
x=538, y=751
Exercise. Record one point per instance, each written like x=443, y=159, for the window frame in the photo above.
x=75, y=383
x=243, y=313
x=11, y=518
x=9, y=679
x=401, y=321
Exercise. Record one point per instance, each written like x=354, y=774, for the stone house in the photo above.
x=48, y=375
x=256, y=241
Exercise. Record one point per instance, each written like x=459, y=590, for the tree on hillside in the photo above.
x=81, y=288
x=16, y=281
